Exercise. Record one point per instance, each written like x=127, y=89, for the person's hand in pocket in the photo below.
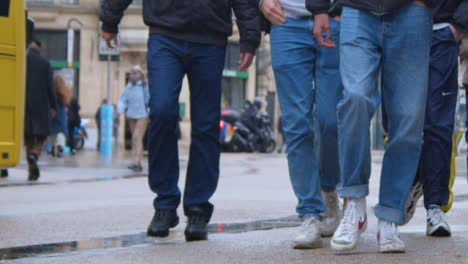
x=273, y=11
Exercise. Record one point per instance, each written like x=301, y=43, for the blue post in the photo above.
x=107, y=123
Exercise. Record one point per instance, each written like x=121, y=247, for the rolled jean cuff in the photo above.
x=328, y=189
x=389, y=214
x=310, y=215
x=354, y=192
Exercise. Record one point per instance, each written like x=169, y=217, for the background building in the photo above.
x=89, y=78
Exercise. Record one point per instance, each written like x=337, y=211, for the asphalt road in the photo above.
x=86, y=210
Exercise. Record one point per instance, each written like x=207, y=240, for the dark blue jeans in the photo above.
x=169, y=60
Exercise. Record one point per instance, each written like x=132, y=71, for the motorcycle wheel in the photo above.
x=79, y=142
x=270, y=147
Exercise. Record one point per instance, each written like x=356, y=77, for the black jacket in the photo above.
x=454, y=12
x=377, y=6
x=40, y=95
x=200, y=21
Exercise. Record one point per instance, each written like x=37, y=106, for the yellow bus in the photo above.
x=12, y=76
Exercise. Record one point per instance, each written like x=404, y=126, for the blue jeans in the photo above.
x=309, y=89
x=392, y=52
x=168, y=61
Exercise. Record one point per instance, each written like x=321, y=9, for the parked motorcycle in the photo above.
x=248, y=131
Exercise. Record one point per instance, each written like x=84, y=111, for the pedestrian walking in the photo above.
x=97, y=119
x=59, y=123
x=133, y=103
x=391, y=39
x=116, y=125
x=307, y=78
x=186, y=38
x=40, y=107
x=434, y=173
x=74, y=121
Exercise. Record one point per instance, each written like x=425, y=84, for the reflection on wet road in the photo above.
x=137, y=239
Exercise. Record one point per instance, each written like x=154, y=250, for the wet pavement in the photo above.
x=88, y=210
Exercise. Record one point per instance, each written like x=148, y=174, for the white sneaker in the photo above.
x=437, y=224
x=412, y=201
x=388, y=238
x=308, y=236
x=332, y=217
x=353, y=224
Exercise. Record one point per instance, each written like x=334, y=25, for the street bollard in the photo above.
x=107, y=120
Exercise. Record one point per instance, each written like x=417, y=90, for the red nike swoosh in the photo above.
x=362, y=223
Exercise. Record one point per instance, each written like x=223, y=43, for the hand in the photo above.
x=273, y=11
x=322, y=23
x=457, y=35
x=53, y=113
x=110, y=38
x=420, y=2
x=245, y=59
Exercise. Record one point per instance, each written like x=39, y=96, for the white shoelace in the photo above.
x=307, y=224
x=389, y=233
x=349, y=220
x=435, y=216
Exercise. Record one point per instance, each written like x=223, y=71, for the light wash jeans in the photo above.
x=390, y=51
x=309, y=89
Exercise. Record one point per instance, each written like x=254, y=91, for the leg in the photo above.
x=204, y=71
x=293, y=51
x=36, y=149
x=329, y=90
x=137, y=139
x=440, y=118
x=165, y=74
x=359, y=66
x=407, y=42
x=132, y=124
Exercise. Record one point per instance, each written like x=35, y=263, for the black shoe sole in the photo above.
x=441, y=232
x=195, y=236
x=162, y=233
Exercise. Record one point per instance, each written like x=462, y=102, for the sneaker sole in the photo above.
x=162, y=233
x=439, y=232
x=412, y=202
x=316, y=244
x=350, y=247
x=390, y=249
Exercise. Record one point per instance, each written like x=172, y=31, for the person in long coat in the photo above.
x=40, y=106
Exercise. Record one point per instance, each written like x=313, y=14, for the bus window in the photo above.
x=4, y=8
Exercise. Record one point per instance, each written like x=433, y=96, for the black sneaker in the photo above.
x=163, y=219
x=135, y=167
x=197, y=228
x=34, y=172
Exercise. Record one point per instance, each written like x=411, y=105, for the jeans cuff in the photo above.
x=354, y=192
x=389, y=214
x=310, y=215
